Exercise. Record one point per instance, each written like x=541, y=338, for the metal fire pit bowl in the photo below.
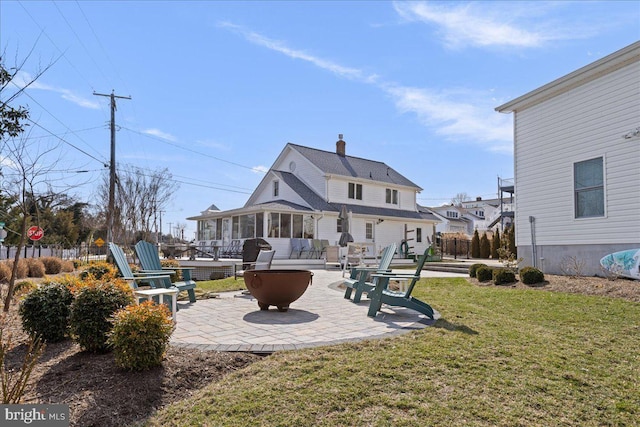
x=277, y=287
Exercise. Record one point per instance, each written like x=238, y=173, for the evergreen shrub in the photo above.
x=484, y=274
x=91, y=312
x=503, y=276
x=473, y=268
x=137, y=351
x=531, y=275
x=45, y=312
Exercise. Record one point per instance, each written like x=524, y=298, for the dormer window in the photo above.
x=391, y=196
x=480, y=214
x=276, y=188
x=452, y=214
x=355, y=191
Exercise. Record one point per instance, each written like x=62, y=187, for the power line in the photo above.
x=213, y=187
x=28, y=138
x=190, y=150
x=104, y=162
x=62, y=53
x=59, y=121
x=82, y=44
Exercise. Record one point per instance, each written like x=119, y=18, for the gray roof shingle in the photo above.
x=332, y=163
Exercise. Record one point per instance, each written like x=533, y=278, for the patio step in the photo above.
x=447, y=267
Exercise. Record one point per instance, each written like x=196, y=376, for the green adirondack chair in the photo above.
x=150, y=261
x=358, y=278
x=380, y=294
x=152, y=279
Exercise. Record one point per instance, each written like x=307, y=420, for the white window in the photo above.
x=480, y=214
x=391, y=196
x=276, y=188
x=355, y=191
x=418, y=235
x=368, y=231
x=588, y=184
x=452, y=214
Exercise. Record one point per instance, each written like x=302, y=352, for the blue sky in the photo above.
x=219, y=88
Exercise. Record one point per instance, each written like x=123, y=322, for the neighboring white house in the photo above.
x=301, y=197
x=453, y=219
x=577, y=165
x=484, y=215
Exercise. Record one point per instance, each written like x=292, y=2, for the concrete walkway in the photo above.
x=321, y=316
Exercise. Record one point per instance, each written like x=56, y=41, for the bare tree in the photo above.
x=27, y=167
x=140, y=195
x=459, y=198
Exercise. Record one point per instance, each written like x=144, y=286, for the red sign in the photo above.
x=35, y=233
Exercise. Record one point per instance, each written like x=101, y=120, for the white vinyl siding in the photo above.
x=584, y=123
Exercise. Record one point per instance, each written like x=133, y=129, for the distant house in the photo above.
x=453, y=219
x=301, y=197
x=484, y=215
x=577, y=165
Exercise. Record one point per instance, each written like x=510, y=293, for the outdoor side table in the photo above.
x=162, y=292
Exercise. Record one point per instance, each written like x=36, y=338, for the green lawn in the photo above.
x=498, y=357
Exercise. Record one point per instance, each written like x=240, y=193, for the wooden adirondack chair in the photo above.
x=358, y=278
x=263, y=262
x=152, y=279
x=380, y=294
x=150, y=261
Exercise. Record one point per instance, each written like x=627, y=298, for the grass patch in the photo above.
x=498, y=357
x=222, y=285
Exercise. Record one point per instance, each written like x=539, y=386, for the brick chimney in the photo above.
x=340, y=146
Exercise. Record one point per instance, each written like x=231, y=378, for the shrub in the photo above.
x=23, y=268
x=484, y=274
x=23, y=287
x=91, y=311
x=99, y=270
x=172, y=263
x=52, y=265
x=473, y=268
x=134, y=350
x=503, y=276
x=36, y=267
x=45, y=312
x=475, y=245
x=5, y=272
x=68, y=266
x=495, y=245
x=531, y=275
x=77, y=263
x=485, y=246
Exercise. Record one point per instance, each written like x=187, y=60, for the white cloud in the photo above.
x=278, y=46
x=260, y=169
x=486, y=24
x=158, y=133
x=457, y=115
x=22, y=79
x=461, y=116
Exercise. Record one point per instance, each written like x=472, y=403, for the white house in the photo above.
x=302, y=194
x=577, y=165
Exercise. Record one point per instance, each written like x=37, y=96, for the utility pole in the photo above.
x=112, y=164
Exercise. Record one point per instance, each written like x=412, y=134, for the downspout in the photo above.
x=316, y=226
x=534, y=250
